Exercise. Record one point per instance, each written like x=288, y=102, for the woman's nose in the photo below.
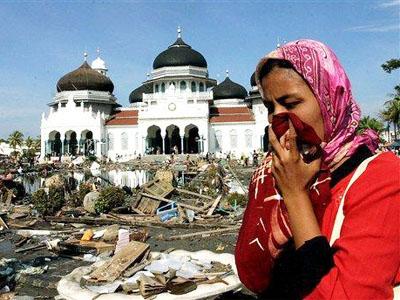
x=279, y=109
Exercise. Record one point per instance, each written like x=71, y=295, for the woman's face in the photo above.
x=286, y=91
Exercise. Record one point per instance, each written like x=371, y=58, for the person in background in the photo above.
x=255, y=158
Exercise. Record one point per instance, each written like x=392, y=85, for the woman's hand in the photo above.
x=291, y=173
x=293, y=176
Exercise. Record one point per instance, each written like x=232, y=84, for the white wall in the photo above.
x=68, y=117
x=133, y=147
x=225, y=145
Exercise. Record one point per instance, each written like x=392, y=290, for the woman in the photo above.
x=294, y=196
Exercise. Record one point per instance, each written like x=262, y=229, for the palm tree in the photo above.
x=370, y=123
x=33, y=146
x=391, y=113
x=29, y=142
x=16, y=139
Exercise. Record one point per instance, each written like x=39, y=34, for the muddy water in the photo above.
x=132, y=179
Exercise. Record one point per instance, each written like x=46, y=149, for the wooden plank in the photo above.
x=199, y=209
x=148, y=205
x=214, y=205
x=112, y=269
x=194, y=194
x=3, y=224
x=202, y=234
x=132, y=222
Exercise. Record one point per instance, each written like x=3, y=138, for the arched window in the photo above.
x=124, y=141
x=193, y=86
x=218, y=136
x=233, y=137
x=248, y=136
x=163, y=87
x=182, y=86
x=201, y=87
x=110, y=142
x=156, y=88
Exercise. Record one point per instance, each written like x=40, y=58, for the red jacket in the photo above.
x=367, y=260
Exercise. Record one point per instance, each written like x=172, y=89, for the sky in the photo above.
x=40, y=41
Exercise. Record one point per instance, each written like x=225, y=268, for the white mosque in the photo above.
x=179, y=108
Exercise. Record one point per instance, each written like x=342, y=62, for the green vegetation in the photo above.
x=236, y=199
x=76, y=198
x=109, y=198
x=48, y=204
x=370, y=123
x=391, y=111
x=15, y=140
x=33, y=146
x=390, y=65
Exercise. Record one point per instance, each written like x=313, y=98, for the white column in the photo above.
x=182, y=137
x=62, y=147
x=204, y=143
x=144, y=145
x=98, y=147
x=163, y=143
x=43, y=148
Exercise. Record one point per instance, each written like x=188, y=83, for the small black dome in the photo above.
x=179, y=54
x=228, y=89
x=137, y=94
x=253, y=79
x=85, y=78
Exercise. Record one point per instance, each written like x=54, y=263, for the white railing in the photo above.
x=178, y=96
x=84, y=95
x=179, y=71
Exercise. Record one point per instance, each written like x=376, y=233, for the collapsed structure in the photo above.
x=178, y=109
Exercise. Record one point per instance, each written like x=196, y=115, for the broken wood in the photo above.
x=21, y=242
x=201, y=234
x=35, y=247
x=3, y=223
x=149, y=286
x=198, y=209
x=214, y=205
x=140, y=213
x=155, y=187
x=113, y=268
x=129, y=221
x=237, y=179
x=194, y=194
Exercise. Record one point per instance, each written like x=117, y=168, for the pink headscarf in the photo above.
x=320, y=68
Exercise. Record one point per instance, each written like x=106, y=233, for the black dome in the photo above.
x=137, y=94
x=85, y=78
x=179, y=54
x=228, y=89
x=253, y=79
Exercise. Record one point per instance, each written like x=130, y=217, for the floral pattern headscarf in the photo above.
x=321, y=69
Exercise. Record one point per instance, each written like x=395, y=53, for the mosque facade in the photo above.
x=178, y=109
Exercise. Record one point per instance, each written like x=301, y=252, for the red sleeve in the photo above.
x=367, y=259
x=263, y=233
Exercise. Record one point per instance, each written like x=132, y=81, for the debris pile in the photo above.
x=135, y=270
x=189, y=204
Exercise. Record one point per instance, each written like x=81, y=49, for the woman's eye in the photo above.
x=291, y=105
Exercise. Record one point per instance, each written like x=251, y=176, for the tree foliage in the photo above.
x=16, y=139
x=391, y=65
x=109, y=198
x=370, y=123
x=391, y=113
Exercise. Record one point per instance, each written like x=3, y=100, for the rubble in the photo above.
x=189, y=203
